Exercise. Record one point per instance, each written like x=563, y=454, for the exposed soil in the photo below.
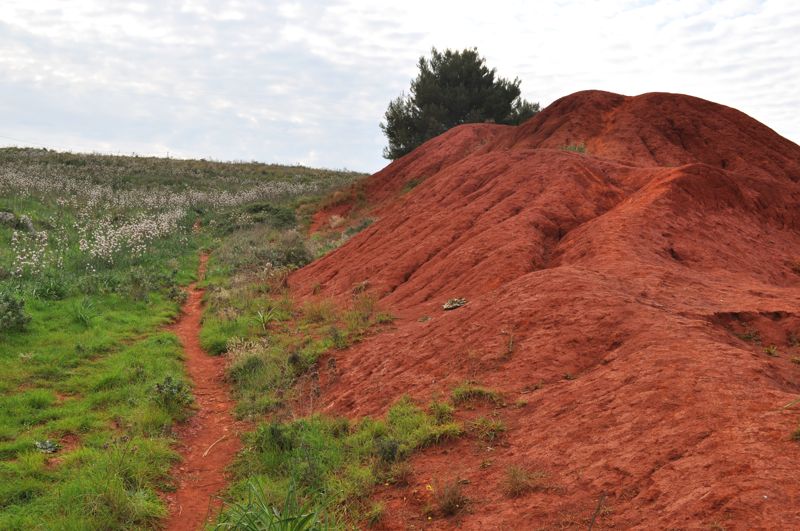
x=624, y=300
x=209, y=440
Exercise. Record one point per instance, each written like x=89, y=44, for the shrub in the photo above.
x=375, y=514
x=355, y=229
x=750, y=335
x=450, y=497
x=519, y=481
x=173, y=395
x=319, y=312
x=771, y=350
x=84, y=312
x=442, y=413
x=12, y=313
x=255, y=513
x=400, y=473
x=47, y=446
x=338, y=338
x=51, y=287
x=278, y=216
x=290, y=250
x=487, y=429
x=575, y=148
x=388, y=450
x=469, y=391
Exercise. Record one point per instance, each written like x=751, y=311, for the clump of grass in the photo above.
x=450, y=497
x=468, y=391
x=575, y=148
x=47, y=446
x=519, y=481
x=355, y=229
x=796, y=360
x=411, y=184
x=442, y=412
x=257, y=513
x=487, y=429
x=173, y=395
x=510, y=345
x=375, y=514
x=751, y=335
x=12, y=313
x=771, y=351
x=399, y=473
x=334, y=463
x=323, y=311
x=792, y=339
x=384, y=318
x=84, y=312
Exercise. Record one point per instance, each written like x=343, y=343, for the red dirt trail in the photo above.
x=209, y=440
x=623, y=300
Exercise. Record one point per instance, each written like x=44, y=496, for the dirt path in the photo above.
x=209, y=441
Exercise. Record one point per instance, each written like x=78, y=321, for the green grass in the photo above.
x=468, y=391
x=87, y=387
x=575, y=148
x=92, y=384
x=333, y=463
x=487, y=429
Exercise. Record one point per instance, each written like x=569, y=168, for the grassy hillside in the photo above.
x=94, y=251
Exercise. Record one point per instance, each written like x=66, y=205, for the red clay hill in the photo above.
x=625, y=300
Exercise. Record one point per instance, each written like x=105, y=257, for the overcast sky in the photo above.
x=308, y=82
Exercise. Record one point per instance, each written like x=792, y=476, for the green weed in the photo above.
x=468, y=391
x=575, y=148
x=332, y=463
x=486, y=429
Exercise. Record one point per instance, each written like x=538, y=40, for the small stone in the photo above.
x=452, y=304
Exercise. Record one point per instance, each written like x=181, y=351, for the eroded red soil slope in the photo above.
x=635, y=268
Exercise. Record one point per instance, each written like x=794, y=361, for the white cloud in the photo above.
x=309, y=80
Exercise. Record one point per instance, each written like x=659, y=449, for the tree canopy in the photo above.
x=452, y=88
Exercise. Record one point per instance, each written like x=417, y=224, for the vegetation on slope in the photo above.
x=93, y=253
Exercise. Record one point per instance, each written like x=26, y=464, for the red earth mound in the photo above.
x=632, y=271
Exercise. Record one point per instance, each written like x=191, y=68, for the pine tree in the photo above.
x=452, y=88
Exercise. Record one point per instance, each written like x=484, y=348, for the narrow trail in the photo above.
x=209, y=440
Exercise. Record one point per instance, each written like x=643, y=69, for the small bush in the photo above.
x=771, y=350
x=255, y=513
x=575, y=148
x=750, y=335
x=450, y=497
x=84, y=312
x=278, y=216
x=388, y=450
x=51, y=287
x=487, y=429
x=442, y=413
x=338, y=338
x=519, y=481
x=12, y=313
x=469, y=391
x=363, y=224
x=319, y=312
x=400, y=473
x=290, y=250
x=375, y=514
x=47, y=446
x=173, y=395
